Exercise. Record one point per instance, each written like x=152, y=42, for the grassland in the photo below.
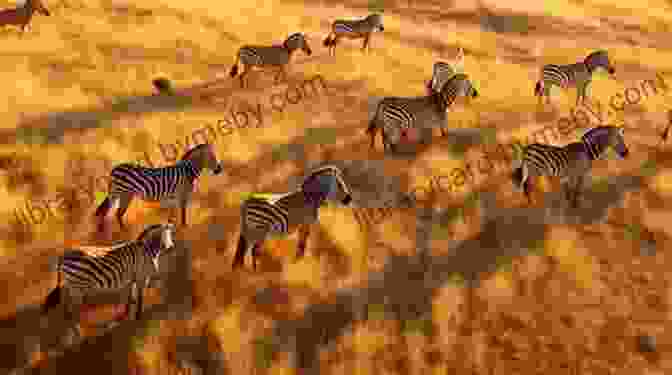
x=498, y=286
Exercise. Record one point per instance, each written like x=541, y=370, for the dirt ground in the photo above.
x=495, y=286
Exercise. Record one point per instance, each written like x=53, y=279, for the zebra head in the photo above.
x=599, y=59
x=327, y=183
x=598, y=139
x=296, y=41
x=376, y=20
x=203, y=156
x=158, y=238
x=457, y=85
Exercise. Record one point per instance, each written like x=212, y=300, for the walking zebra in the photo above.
x=84, y=273
x=283, y=214
x=173, y=183
x=269, y=57
x=443, y=71
x=577, y=75
x=571, y=163
x=396, y=115
x=354, y=29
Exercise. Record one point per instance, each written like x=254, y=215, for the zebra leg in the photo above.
x=255, y=253
x=365, y=46
x=183, y=209
x=72, y=306
x=242, y=76
x=304, y=232
x=527, y=188
x=141, y=292
x=124, y=202
x=578, y=186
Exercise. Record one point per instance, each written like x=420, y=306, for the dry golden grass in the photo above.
x=578, y=297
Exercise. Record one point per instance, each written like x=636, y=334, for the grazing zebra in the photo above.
x=396, y=116
x=571, y=163
x=87, y=271
x=577, y=75
x=173, y=183
x=283, y=214
x=356, y=29
x=269, y=57
x=442, y=72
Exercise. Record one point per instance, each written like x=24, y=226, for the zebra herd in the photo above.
x=82, y=272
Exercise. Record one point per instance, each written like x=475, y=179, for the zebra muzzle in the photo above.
x=218, y=169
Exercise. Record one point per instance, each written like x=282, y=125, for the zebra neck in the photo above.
x=313, y=199
x=589, y=66
x=593, y=150
x=192, y=170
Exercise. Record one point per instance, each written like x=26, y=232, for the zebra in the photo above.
x=86, y=271
x=577, y=75
x=269, y=57
x=443, y=71
x=172, y=183
x=397, y=115
x=283, y=214
x=354, y=29
x=571, y=163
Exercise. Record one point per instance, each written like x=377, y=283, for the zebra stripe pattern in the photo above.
x=173, y=183
x=283, y=214
x=442, y=72
x=354, y=29
x=269, y=57
x=577, y=75
x=571, y=163
x=396, y=115
x=82, y=272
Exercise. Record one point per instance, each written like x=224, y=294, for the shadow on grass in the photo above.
x=505, y=234
x=22, y=333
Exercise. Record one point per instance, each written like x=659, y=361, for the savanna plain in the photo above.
x=502, y=287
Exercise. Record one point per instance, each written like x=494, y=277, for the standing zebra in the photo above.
x=443, y=71
x=83, y=272
x=356, y=29
x=571, y=163
x=283, y=214
x=396, y=115
x=269, y=57
x=171, y=183
x=577, y=75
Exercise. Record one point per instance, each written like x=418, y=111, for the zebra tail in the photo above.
x=239, y=258
x=538, y=88
x=54, y=297
x=104, y=207
x=517, y=176
x=371, y=130
x=234, y=68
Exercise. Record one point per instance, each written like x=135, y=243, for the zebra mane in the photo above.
x=146, y=234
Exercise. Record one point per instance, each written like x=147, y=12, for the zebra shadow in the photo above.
x=26, y=332
x=506, y=233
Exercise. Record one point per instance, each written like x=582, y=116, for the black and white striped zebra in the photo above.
x=354, y=29
x=87, y=271
x=443, y=71
x=173, y=183
x=571, y=163
x=283, y=214
x=577, y=75
x=396, y=116
x=269, y=57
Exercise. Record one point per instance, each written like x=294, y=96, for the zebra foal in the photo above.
x=571, y=163
x=283, y=214
x=354, y=29
x=171, y=183
x=269, y=57
x=86, y=271
x=396, y=116
x=577, y=75
x=443, y=71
